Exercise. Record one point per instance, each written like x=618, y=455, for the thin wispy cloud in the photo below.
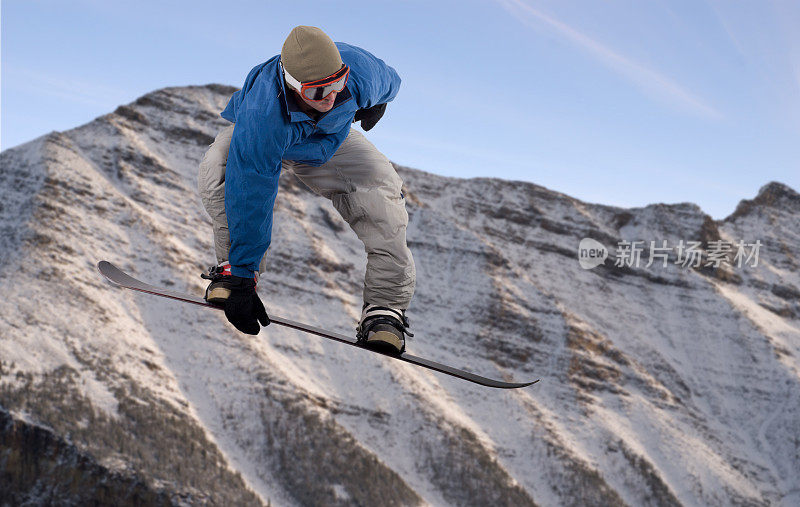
x=69, y=89
x=770, y=49
x=647, y=79
x=716, y=8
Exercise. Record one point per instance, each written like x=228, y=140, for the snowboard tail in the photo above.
x=122, y=279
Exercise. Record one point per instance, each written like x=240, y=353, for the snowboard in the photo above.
x=121, y=279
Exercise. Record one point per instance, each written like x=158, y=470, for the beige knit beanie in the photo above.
x=308, y=54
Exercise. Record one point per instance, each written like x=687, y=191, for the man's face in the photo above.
x=323, y=106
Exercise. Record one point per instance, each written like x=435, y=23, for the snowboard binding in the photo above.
x=383, y=329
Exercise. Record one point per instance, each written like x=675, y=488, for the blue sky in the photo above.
x=617, y=102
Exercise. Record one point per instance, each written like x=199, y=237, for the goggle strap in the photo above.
x=294, y=83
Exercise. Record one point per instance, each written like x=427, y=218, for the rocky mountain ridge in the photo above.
x=661, y=385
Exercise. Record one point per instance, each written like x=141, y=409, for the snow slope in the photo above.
x=660, y=385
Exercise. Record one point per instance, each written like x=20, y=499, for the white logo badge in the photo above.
x=591, y=253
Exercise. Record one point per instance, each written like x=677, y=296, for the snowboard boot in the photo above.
x=383, y=329
x=219, y=289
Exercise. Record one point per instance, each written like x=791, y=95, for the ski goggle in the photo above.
x=320, y=89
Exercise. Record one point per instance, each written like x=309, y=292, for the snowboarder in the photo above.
x=294, y=112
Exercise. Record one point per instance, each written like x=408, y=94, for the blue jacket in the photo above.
x=270, y=127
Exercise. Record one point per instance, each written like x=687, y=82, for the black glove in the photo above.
x=370, y=116
x=244, y=308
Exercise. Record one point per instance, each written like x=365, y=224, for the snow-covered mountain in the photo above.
x=660, y=385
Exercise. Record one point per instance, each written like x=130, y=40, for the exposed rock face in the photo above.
x=40, y=468
x=773, y=198
x=663, y=384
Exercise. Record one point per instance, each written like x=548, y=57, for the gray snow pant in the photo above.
x=363, y=187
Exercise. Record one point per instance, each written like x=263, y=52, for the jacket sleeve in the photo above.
x=376, y=82
x=251, y=185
